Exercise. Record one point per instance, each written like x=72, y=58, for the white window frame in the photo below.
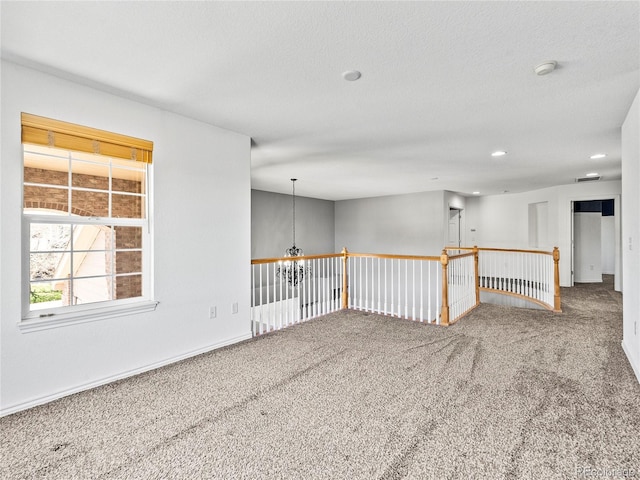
x=46, y=318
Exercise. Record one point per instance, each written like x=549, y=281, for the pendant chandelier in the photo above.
x=293, y=271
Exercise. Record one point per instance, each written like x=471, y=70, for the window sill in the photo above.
x=34, y=324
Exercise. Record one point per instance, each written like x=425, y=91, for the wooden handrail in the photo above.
x=395, y=257
x=514, y=250
x=257, y=261
x=462, y=255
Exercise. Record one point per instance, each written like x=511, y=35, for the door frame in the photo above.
x=618, y=233
x=459, y=210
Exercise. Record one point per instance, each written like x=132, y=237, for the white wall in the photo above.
x=631, y=234
x=411, y=224
x=502, y=221
x=538, y=224
x=201, y=220
x=271, y=224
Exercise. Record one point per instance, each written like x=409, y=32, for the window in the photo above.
x=86, y=222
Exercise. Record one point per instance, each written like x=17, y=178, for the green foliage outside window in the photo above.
x=44, y=293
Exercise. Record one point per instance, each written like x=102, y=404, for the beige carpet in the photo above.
x=504, y=393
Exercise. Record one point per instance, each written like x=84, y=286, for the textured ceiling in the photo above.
x=443, y=84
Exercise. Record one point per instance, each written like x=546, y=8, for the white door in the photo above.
x=588, y=247
x=454, y=227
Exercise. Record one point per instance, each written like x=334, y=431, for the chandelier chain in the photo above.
x=293, y=183
x=293, y=271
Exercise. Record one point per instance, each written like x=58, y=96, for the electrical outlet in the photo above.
x=213, y=312
x=234, y=307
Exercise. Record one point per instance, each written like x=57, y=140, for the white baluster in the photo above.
x=386, y=311
x=313, y=288
x=392, y=311
x=351, y=263
x=413, y=288
x=270, y=311
x=421, y=292
x=336, y=282
x=331, y=284
x=360, y=283
x=336, y=278
x=429, y=317
x=261, y=303
x=326, y=264
x=367, y=300
x=406, y=289
x=400, y=301
x=329, y=272
x=534, y=262
x=253, y=299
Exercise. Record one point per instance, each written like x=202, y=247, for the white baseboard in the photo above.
x=635, y=364
x=119, y=376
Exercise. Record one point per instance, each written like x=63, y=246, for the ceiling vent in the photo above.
x=588, y=179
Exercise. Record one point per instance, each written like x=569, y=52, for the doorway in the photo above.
x=455, y=227
x=594, y=240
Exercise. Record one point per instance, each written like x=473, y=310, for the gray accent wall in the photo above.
x=411, y=224
x=272, y=222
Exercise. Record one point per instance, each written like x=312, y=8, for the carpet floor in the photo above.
x=503, y=393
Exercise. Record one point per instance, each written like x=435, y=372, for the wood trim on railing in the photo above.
x=512, y=250
x=345, y=280
x=258, y=261
x=454, y=321
x=395, y=257
x=461, y=255
x=556, y=280
x=519, y=295
x=476, y=267
x=444, y=315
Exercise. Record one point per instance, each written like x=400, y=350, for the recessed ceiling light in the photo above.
x=546, y=67
x=476, y=193
x=598, y=155
x=498, y=153
x=592, y=174
x=351, y=75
